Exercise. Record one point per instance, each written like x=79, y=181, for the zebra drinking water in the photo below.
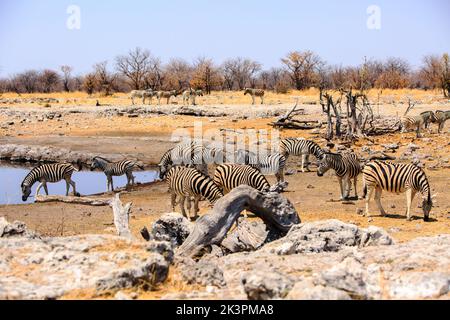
x=346, y=167
x=270, y=164
x=255, y=93
x=115, y=169
x=189, y=182
x=54, y=172
x=230, y=176
x=301, y=147
x=396, y=178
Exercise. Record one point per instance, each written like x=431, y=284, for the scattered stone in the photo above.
x=262, y=285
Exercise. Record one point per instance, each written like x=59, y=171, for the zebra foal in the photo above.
x=54, y=172
x=396, y=178
x=115, y=169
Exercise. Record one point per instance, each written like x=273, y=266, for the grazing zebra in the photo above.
x=186, y=95
x=270, y=164
x=255, y=93
x=417, y=122
x=428, y=117
x=166, y=94
x=189, y=182
x=440, y=118
x=230, y=176
x=115, y=169
x=346, y=167
x=142, y=94
x=301, y=147
x=186, y=154
x=54, y=172
x=396, y=178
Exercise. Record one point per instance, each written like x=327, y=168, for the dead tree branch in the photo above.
x=121, y=216
x=276, y=211
x=74, y=200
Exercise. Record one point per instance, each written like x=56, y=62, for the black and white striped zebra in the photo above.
x=189, y=182
x=45, y=173
x=270, y=164
x=115, y=169
x=418, y=122
x=230, y=176
x=301, y=147
x=440, y=118
x=184, y=154
x=255, y=93
x=346, y=166
x=396, y=178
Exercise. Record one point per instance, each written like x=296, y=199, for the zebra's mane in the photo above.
x=98, y=157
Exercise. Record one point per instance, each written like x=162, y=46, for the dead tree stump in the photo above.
x=276, y=211
x=121, y=217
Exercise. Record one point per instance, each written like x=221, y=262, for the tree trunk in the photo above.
x=276, y=211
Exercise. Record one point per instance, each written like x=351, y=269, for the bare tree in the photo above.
x=67, y=75
x=135, y=66
x=205, y=75
x=435, y=73
x=154, y=77
x=49, y=80
x=89, y=83
x=395, y=74
x=104, y=78
x=177, y=74
x=302, y=67
x=240, y=72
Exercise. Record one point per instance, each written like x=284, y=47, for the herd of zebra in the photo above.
x=188, y=95
x=424, y=120
x=185, y=169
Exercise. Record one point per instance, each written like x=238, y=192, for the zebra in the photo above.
x=301, y=147
x=428, y=117
x=440, y=118
x=115, y=169
x=187, y=154
x=270, y=164
x=191, y=94
x=418, y=122
x=142, y=94
x=396, y=178
x=346, y=167
x=255, y=93
x=189, y=182
x=54, y=172
x=230, y=176
x=166, y=94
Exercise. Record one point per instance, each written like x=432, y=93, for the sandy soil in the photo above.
x=149, y=136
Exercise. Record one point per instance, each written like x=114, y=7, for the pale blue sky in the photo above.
x=33, y=34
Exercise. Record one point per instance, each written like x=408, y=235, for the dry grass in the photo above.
x=309, y=96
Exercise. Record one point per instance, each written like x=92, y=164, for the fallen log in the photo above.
x=74, y=200
x=121, y=216
x=276, y=211
x=297, y=124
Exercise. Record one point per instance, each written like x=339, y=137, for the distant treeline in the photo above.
x=300, y=70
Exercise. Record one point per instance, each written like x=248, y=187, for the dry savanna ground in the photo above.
x=315, y=198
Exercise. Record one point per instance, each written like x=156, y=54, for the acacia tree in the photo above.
x=135, y=66
x=302, y=67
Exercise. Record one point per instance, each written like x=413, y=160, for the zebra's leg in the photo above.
x=196, y=208
x=341, y=185
x=183, y=211
x=262, y=99
x=410, y=193
x=189, y=208
x=38, y=189
x=112, y=184
x=355, y=180
x=348, y=185
x=368, y=196
x=132, y=101
x=44, y=184
x=253, y=99
x=378, y=192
